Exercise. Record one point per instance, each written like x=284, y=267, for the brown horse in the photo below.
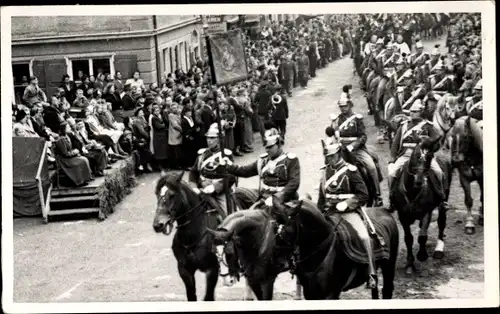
x=327, y=256
x=415, y=199
x=468, y=159
x=193, y=246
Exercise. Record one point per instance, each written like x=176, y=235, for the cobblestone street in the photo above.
x=122, y=259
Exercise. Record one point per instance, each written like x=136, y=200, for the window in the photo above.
x=21, y=73
x=176, y=58
x=89, y=65
x=166, y=61
x=196, y=53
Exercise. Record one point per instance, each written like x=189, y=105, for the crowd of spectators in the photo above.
x=93, y=121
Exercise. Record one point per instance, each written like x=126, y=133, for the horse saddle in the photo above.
x=352, y=244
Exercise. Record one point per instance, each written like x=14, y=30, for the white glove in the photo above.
x=209, y=189
x=342, y=206
x=196, y=190
x=225, y=161
x=269, y=201
x=349, y=148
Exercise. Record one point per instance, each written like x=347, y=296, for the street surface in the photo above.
x=122, y=259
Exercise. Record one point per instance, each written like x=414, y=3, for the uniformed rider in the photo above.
x=420, y=57
x=342, y=189
x=350, y=132
x=278, y=171
x=203, y=176
x=409, y=134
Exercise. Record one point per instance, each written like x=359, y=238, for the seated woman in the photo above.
x=108, y=138
x=107, y=119
x=21, y=127
x=75, y=166
x=95, y=153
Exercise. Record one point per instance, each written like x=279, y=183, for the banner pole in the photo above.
x=219, y=125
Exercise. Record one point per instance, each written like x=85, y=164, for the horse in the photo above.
x=384, y=92
x=192, y=245
x=468, y=159
x=252, y=233
x=443, y=114
x=415, y=199
x=327, y=258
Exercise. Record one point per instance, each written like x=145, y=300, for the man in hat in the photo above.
x=474, y=108
x=342, y=190
x=203, y=176
x=278, y=171
x=437, y=74
x=350, y=132
x=408, y=136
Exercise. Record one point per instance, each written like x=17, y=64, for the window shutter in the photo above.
x=126, y=64
x=54, y=71
x=39, y=72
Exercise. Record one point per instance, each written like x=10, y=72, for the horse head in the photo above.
x=174, y=200
x=460, y=140
x=420, y=162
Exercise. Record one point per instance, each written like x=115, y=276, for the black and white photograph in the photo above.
x=164, y=156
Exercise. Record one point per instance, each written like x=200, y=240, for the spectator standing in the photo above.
x=175, y=137
x=159, y=138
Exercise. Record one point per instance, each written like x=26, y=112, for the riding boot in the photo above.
x=372, y=280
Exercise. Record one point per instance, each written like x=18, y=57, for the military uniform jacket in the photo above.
x=417, y=60
x=350, y=129
x=341, y=182
x=203, y=172
x=409, y=133
x=402, y=95
x=280, y=176
x=475, y=109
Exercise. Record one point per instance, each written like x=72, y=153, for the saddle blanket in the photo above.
x=385, y=226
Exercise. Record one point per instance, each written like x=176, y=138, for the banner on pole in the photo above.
x=227, y=57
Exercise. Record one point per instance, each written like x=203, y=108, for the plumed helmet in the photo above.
x=213, y=131
x=331, y=148
x=380, y=41
x=417, y=106
x=435, y=51
x=272, y=137
x=419, y=44
x=276, y=99
x=479, y=85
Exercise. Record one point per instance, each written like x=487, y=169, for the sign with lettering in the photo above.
x=214, y=19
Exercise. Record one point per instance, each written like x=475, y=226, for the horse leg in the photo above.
x=469, y=202
x=480, y=220
x=388, y=272
x=256, y=288
x=410, y=266
x=422, y=237
x=439, y=250
x=187, y=276
x=212, y=275
x=267, y=289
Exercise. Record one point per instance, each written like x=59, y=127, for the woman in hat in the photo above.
x=74, y=166
x=21, y=127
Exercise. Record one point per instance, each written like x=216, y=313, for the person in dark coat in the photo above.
x=128, y=101
x=75, y=166
x=280, y=114
x=69, y=88
x=207, y=118
x=159, y=137
x=94, y=152
x=263, y=101
x=189, y=137
x=303, y=69
x=110, y=95
x=287, y=70
x=142, y=140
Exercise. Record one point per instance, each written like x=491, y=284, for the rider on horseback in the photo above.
x=350, y=132
x=342, y=189
x=409, y=134
x=278, y=171
x=474, y=108
x=203, y=175
x=420, y=57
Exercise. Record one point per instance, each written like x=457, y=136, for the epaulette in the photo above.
x=323, y=167
x=467, y=99
x=431, y=76
x=352, y=167
x=264, y=155
x=201, y=151
x=291, y=155
x=334, y=116
x=227, y=152
x=359, y=116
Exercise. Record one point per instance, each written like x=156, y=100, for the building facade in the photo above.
x=49, y=47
